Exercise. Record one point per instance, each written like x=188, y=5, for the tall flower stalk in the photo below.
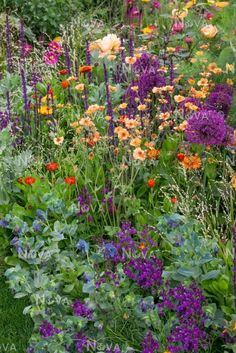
x=109, y=104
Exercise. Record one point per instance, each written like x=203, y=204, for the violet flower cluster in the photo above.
x=46, y=329
x=80, y=309
x=147, y=273
x=149, y=344
x=221, y=99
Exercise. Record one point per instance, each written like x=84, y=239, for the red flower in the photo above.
x=70, y=180
x=65, y=84
x=29, y=180
x=50, y=91
x=173, y=199
x=63, y=72
x=84, y=69
x=151, y=183
x=180, y=156
x=52, y=166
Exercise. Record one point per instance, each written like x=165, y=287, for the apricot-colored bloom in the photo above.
x=131, y=123
x=179, y=99
x=139, y=154
x=87, y=122
x=141, y=107
x=123, y=105
x=110, y=44
x=135, y=142
x=79, y=87
x=233, y=183
x=191, y=162
x=94, y=108
x=153, y=153
x=58, y=140
x=123, y=134
x=221, y=4
x=209, y=31
x=130, y=60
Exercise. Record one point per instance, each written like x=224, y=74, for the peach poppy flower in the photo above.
x=123, y=135
x=135, y=142
x=58, y=140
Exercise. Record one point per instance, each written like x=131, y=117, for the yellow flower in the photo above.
x=139, y=154
x=190, y=4
x=123, y=105
x=57, y=39
x=229, y=68
x=112, y=88
x=45, y=110
x=74, y=124
x=58, y=140
x=209, y=31
x=180, y=14
x=230, y=81
x=221, y=4
x=147, y=30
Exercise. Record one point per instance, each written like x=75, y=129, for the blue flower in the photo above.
x=41, y=215
x=82, y=246
x=110, y=250
x=36, y=226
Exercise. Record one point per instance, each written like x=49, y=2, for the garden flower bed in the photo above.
x=118, y=179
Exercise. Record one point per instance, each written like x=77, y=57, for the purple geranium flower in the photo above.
x=149, y=344
x=80, y=309
x=46, y=329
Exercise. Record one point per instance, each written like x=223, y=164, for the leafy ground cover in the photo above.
x=118, y=181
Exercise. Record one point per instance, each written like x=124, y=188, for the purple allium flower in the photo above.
x=147, y=273
x=46, y=329
x=50, y=58
x=147, y=63
x=80, y=309
x=206, y=127
x=219, y=101
x=149, y=344
x=225, y=88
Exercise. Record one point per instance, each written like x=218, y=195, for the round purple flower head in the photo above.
x=220, y=101
x=206, y=127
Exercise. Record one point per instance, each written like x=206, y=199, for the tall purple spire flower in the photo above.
x=8, y=45
x=67, y=59
x=234, y=263
x=206, y=127
x=88, y=61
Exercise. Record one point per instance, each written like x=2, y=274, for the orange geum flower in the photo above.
x=123, y=134
x=131, y=123
x=165, y=116
x=141, y=107
x=86, y=68
x=130, y=60
x=179, y=98
x=191, y=162
x=65, y=84
x=203, y=82
x=139, y=154
x=74, y=124
x=191, y=106
x=153, y=153
x=87, y=122
x=135, y=142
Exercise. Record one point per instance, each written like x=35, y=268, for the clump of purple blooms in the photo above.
x=46, y=329
x=206, y=127
x=147, y=273
x=220, y=99
x=85, y=200
x=187, y=303
x=149, y=344
x=82, y=342
x=80, y=309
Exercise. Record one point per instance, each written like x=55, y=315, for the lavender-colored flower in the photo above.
x=147, y=273
x=80, y=309
x=206, y=127
x=37, y=227
x=219, y=101
x=81, y=342
x=8, y=45
x=147, y=63
x=46, y=329
x=110, y=250
x=4, y=223
x=50, y=58
x=85, y=200
x=149, y=344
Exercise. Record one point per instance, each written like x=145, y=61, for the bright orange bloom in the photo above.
x=52, y=166
x=153, y=153
x=192, y=162
x=84, y=69
x=65, y=84
x=63, y=72
x=29, y=180
x=151, y=183
x=70, y=180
